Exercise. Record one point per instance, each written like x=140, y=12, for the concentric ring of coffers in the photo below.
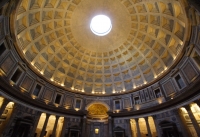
x=147, y=38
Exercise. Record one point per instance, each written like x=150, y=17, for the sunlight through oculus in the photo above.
x=100, y=25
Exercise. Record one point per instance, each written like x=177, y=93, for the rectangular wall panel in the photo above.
x=27, y=83
x=8, y=64
x=169, y=88
x=189, y=72
x=48, y=94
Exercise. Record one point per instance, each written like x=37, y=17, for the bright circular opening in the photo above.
x=101, y=25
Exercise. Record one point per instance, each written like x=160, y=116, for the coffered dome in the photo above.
x=146, y=40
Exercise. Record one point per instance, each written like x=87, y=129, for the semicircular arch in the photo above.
x=97, y=102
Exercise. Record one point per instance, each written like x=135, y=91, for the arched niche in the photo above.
x=97, y=110
x=98, y=102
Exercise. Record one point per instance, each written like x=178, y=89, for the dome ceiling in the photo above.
x=145, y=41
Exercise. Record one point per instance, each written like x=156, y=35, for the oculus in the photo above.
x=100, y=25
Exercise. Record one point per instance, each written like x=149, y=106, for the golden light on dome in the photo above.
x=140, y=41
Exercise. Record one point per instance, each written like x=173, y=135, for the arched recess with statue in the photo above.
x=97, y=119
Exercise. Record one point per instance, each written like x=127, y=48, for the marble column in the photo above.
x=37, y=118
x=45, y=125
x=156, y=125
x=110, y=126
x=102, y=130
x=182, y=123
x=148, y=127
x=64, y=127
x=84, y=127
x=55, y=127
x=91, y=129
x=3, y=106
x=129, y=133
x=138, y=127
x=193, y=119
x=132, y=128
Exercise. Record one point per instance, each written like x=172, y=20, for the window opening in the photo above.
x=37, y=90
x=2, y=49
x=117, y=104
x=16, y=75
x=58, y=98
x=179, y=81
